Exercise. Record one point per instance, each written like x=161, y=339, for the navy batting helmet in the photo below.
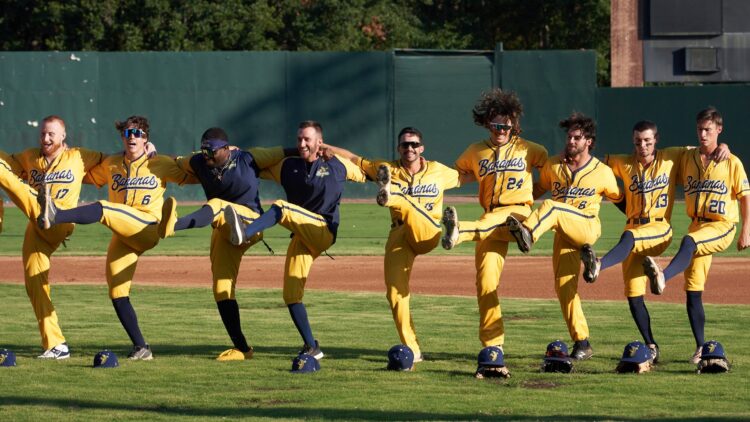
x=491, y=356
x=7, y=358
x=400, y=358
x=304, y=363
x=106, y=359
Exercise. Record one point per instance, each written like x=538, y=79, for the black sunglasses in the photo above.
x=138, y=133
x=407, y=144
x=500, y=126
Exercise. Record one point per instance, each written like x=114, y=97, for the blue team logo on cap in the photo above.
x=7, y=358
x=636, y=352
x=557, y=350
x=106, y=359
x=491, y=356
x=400, y=358
x=713, y=350
x=305, y=363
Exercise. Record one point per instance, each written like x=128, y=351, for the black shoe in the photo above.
x=520, y=233
x=313, y=351
x=591, y=264
x=581, y=350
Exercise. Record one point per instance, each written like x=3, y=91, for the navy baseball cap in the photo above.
x=558, y=351
x=636, y=352
x=400, y=358
x=305, y=363
x=214, y=144
x=106, y=359
x=713, y=350
x=7, y=358
x=491, y=356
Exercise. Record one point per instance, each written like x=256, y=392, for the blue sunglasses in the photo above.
x=138, y=133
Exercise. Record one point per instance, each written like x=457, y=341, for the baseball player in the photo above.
x=313, y=188
x=61, y=169
x=711, y=193
x=412, y=188
x=502, y=166
x=136, y=187
x=576, y=180
x=650, y=176
x=229, y=178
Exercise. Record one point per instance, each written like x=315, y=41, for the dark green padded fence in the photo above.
x=362, y=100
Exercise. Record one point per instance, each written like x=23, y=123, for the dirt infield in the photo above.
x=525, y=277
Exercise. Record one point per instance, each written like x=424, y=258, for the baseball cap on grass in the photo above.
x=712, y=350
x=106, y=359
x=7, y=358
x=636, y=352
x=400, y=358
x=557, y=351
x=304, y=363
x=491, y=356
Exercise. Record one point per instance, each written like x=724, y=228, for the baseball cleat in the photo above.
x=450, y=221
x=48, y=208
x=654, y=353
x=655, y=275
x=591, y=263
x=383, y=180
x=696, y=358
x=58, y=352
x=582, y=350
x=235, y=354
x=168, y=218
x=237, y=234
x=520, y=233
x=312, y=351
x=141, y=353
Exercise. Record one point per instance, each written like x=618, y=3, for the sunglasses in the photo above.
x=208, y=153
x=414, y=145
x=138, y=133
x=500, y=126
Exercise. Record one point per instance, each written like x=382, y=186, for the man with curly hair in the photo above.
x=502, y=165
x=577, y=180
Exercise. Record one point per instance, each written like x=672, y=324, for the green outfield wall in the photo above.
x=362, y=100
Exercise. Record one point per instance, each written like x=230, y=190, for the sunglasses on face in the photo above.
x=208, y=153
x=500, y=126
x=414, y=145
x=138, y=133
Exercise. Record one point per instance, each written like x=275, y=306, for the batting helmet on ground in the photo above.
x=556, y=358
x=636, y=358
x=491, y=363
x=7, y=358
x=400, y=358
x=106, y=359
x=713, y=359
x=304, y=363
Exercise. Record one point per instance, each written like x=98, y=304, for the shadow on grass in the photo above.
x=267, y=410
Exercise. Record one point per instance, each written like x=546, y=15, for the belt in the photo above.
x=703, y=220
x=396, y=223
x=644, y=220
x=492, y=207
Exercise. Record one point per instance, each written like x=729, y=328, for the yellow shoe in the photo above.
x=168, y=218
x=235, y=354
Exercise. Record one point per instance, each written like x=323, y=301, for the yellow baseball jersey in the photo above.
x=426, y=187
x=581, y=188
x=649, y=192
x=711, y=191
x=503, y=172
x=64, y=174
x=140, y=183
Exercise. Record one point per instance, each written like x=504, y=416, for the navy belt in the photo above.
x=492, y=207
x=703, y=219
x=644, y=220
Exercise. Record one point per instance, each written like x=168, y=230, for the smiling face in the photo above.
x=309, y=141
x=410, y=148
x=500, y=130
x=134, y=141
x=52, y=138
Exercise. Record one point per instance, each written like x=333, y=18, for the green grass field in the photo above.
x=185, y=382
x=363, y=231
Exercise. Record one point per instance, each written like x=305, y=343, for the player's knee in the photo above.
x=291, y=298
x=214, y=204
